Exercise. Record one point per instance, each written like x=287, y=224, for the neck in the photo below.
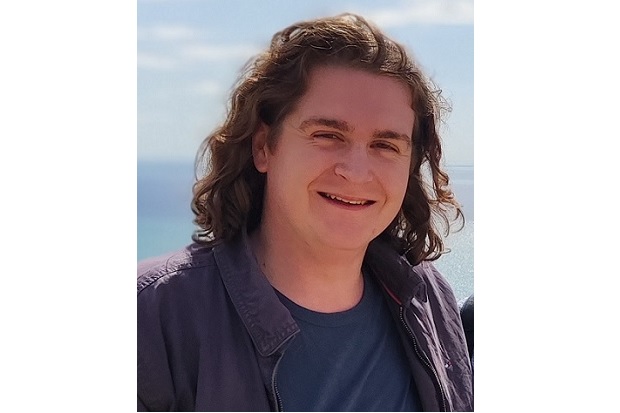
x=316, y=278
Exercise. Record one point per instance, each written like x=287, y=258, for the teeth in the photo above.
x=346, y=201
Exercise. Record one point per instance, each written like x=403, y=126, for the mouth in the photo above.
x=346, y=201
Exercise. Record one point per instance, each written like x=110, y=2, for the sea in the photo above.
x=165, y=218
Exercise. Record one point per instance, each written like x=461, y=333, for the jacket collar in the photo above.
x=402, y=281
x=267, y=320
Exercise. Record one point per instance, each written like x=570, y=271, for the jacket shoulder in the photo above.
x=454, y=358
x=437, y=282
x=160, y=270
x=173, y=292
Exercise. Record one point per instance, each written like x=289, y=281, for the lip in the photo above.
x=345, y=200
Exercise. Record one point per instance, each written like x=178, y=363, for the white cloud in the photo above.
x=209, y=88
x=220, y=52
x=153, y=61
x=194, y=52
x=168, y=32
x=425, y=11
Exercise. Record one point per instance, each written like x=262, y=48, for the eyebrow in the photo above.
x=331, y=123
x=343, y=126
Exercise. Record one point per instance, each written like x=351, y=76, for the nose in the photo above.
x=355, y=166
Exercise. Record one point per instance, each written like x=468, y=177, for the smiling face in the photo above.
x=338, y=172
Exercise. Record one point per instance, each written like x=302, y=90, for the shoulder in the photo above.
x=165, y=268
x=174, y=290
x=443, y=310
x=171, y=291
x=436, y=283
x=440, y=301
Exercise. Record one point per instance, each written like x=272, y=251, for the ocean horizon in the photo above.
x=165, y=219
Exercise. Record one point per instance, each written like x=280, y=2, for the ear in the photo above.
x=259, y=147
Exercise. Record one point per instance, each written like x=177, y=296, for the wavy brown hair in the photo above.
x=229, y=197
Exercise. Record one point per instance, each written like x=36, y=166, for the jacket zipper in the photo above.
x=276, y=395
x=274, y=385
x=424, y=359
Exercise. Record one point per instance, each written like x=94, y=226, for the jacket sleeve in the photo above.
x=452, y=342
x=141, y=406
x=155, y=386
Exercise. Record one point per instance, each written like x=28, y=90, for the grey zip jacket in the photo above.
x=211, y=330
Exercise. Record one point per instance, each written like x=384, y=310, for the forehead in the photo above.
x=357, y=97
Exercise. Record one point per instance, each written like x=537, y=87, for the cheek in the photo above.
x=292, y=174
x=396, y=180
x=311, y=164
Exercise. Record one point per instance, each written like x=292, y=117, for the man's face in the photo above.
x=339, y=170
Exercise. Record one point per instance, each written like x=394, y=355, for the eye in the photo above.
x=387, y=146
x=327, y=135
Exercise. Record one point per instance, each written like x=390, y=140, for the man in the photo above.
x=310, y=284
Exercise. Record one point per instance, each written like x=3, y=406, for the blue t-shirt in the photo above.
x=347, y=361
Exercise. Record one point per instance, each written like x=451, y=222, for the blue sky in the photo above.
x=190, y=53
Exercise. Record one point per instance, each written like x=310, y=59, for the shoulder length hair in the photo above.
x=228, y=198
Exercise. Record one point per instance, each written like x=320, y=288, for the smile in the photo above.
x=346, y=201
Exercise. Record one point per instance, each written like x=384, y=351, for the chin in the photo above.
x=347, y=239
